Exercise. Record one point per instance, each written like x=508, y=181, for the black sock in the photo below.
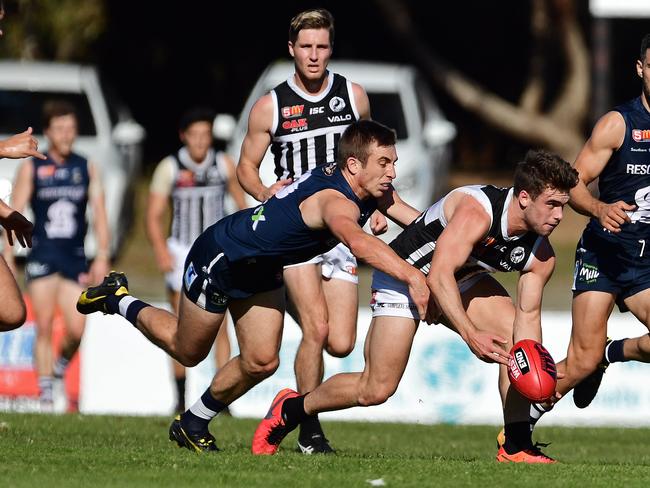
x=310, y=427
x=293, y=411
x=125, y=305
x=180, y=392
x=518, y=437
x=614, y=352
x=195, y=420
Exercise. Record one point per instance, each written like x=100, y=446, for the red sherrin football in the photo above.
x=532, y=370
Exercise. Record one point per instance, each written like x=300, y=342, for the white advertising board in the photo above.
x=122, y=373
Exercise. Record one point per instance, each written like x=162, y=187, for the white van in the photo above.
x=399, y=99
x=107, y=134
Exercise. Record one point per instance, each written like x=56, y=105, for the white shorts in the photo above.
x=179, y=251
x=391, y=298
x=338, y=263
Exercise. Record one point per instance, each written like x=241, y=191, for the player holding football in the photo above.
x=457, y=242
x=613, y=254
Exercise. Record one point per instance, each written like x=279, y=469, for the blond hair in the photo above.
x=311, y=19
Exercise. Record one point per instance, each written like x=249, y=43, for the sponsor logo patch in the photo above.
x=517, y=254
x=641, y=135
x=292, y=111
x=337, y=104
x=300, y=124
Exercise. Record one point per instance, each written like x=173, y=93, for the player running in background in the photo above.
x=195, y=179
x=58, y=190
x=613, y=255
x=457, y=242
x=302, y=120
x=237, y=263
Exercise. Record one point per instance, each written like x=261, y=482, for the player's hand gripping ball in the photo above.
x=532, y=370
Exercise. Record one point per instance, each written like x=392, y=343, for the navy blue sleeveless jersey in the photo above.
x=626, y=175
x=59, y=200
x=276, y=228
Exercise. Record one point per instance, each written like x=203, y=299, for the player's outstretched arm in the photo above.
x=530, y=290
x=607, y=137
x=400, y=212
x=22, y=145
x=341, y=215
x=468, y=223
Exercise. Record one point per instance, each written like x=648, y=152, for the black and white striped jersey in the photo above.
x=197, y=195
x=497, y=251
x=306, y=129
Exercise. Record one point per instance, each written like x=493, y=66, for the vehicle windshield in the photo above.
x=387, y=109
x=20, y=109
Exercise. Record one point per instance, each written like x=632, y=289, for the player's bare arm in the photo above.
x=400, y=212
x=157, y=206
x=23, y=145
x=530, y=289
x=468, y=223
x=607, y=136
x=253, y=148
x=232, y=186
x=361, y=101
x=330, y=209
x=102, y=262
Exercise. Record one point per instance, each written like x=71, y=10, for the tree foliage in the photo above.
x=61, y=30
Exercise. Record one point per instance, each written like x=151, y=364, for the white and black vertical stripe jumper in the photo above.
x=306, y=129
x=197, y=198
x=495, y=252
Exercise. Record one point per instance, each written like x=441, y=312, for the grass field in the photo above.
x=73, y=450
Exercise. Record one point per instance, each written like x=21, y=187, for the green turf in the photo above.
x=72, y=450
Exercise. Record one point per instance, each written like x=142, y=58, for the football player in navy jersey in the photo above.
x=302, y=120
x=58, y=190
x=194, y=180
x=237, y=263
x=612, y=265
x=457, y=243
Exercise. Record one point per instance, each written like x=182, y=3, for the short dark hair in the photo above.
x=318, y=18
x=357, y=138
x=645, y=45
x=196, y=114
x=541, y=170
x=57, y=108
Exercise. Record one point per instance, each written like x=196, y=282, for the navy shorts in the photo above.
x=48, y=261
x=210, y=280
x=604, y=262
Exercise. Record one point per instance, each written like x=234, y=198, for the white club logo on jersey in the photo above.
x=337, y=104
x=517, y=255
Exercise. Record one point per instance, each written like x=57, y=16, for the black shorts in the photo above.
x=210, y=280
x=609, y=264
x=43, y=262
